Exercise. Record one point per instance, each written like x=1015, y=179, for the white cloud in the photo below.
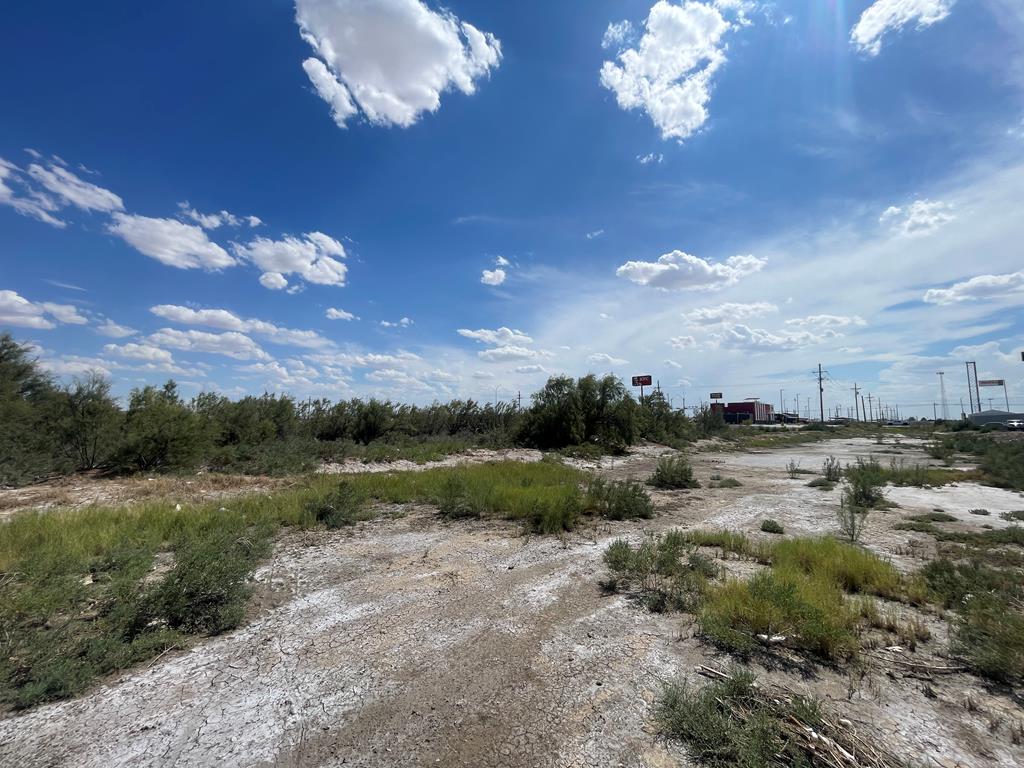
x=397, y=378
x=275, y=281
x=498, y=337
x=678, y=271
x=980, y=287
x=225, y=320
x=669, y=73
x=594, y=234
x=405, y=322
x=37, y=205
x=391, y=59
x=922, y=217
x=672, y=364
x=312, y=258
x=170, y=242
x=295, y=374
x=739, y=336
x=682, y=342
x=884, y=16
x=15, y=310
x=649, y=158
x=728, y=312
x=330, y=90
x=603, y=358
x=531, y=369
x=510, y=353
x=501, y=261
x=333, y=313
x=828, y=321
x=230, y=344
x=216, y=220
x=492, y=276
x=348, y=360
x=145, y=352
x=617, y=34
x=113, y=330
x=75, y=191
x=64, y=313
x=483, y=375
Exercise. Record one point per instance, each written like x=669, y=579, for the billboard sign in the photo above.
x=716, y=395
x=642, y=381
x=991, y=382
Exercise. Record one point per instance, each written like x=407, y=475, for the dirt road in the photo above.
x=412, y=642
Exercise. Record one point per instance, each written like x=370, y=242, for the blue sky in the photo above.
x=317, y=197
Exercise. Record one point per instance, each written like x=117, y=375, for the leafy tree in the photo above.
x=161, y=432
x=27, y=402
x=89, y=422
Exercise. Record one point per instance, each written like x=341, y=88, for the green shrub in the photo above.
x=864, y=483
x=619, y=500
x=344, y=505
x=933, y=517
x=664, y=569
x=673, y=472
x=989, y=635
x=1017, y=514
x=980, y=512
x=832, y=470
x=822, y=483
x=771, y=526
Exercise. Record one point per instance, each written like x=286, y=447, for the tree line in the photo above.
x=49, y=429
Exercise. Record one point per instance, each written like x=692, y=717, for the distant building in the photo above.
x=982, y=418
x=746, y=412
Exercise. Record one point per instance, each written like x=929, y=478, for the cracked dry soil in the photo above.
x=412, y=642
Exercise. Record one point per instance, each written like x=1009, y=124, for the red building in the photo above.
x=746, y=412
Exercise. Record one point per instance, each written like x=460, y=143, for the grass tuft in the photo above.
x=673, y=472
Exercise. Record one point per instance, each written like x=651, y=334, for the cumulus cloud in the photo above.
x=405, y=322
x=922, y=217
x=145, y=352
x=740, y=336
x=230, y=344
x=497, y=337
x=493, y=276
x=17, y=311
x=669, y=73
x=294, y=374
x=728, y=312
x=501, y=261
x=483, y=375
x=114, y=330
x=682, y=342
x=390, y=59
x=311, y=257
x=226, y=320
x=333, y=313
x=980, y=287
x=531, y=369
x=681, y=271
x=170, y=242
x=348, y=360
x=884, y=16
x=603, y=358
x=649, y=158
x=510, y=353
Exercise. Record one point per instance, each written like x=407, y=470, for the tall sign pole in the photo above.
x=821, y=396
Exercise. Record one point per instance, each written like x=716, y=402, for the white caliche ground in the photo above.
x=409, y=642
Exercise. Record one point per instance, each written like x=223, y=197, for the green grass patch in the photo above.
x=772, y=526
x=933, y=517
x=724, y=482
x=822, y=484
x=1017, y=514
x=619, y=500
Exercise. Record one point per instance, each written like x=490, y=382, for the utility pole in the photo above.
x=796, y=406
x=871, y=409
x=856, y=406
x=863, y=410
x=782, y=406
x=821, y=396
x=942, y=395
x=935, y=415
x=807, y=410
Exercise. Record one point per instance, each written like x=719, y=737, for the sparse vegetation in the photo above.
x=822, y=483
x=665, y=570
x=771, y=526
x=619, y=500
x=980, y=512
x=832, y=470
x=673, y=472
x=725, y=482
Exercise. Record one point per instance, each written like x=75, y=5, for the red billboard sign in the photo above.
x=642, y=381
